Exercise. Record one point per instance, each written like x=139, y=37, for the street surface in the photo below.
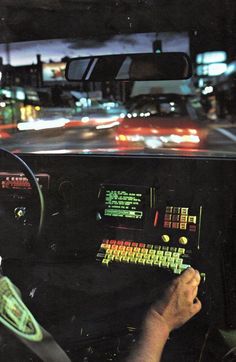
x=221, y=138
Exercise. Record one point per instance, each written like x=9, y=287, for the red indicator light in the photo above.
x=156, y=218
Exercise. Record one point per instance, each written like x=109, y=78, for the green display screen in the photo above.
x=123, y=205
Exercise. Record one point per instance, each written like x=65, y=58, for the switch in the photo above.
x=183, y=240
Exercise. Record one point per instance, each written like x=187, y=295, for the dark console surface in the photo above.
x=117, y=231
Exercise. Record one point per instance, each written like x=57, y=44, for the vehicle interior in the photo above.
x=71, y=206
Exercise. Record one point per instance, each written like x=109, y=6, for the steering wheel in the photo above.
x=32, y=217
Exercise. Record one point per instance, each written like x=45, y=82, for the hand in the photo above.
x=180, y=302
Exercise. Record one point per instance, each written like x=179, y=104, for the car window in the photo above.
x=41, y=111
x=161, y=106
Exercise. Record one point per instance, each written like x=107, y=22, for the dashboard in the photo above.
x=117, y=230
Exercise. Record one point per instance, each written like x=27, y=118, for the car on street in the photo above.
x=163, y=120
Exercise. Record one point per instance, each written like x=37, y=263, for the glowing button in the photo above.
x=165, y=238
x=183, y=240
x=192, y=219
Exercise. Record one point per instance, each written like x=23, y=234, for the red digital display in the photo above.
x=20, y=182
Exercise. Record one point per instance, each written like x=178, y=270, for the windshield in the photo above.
x=40, y=111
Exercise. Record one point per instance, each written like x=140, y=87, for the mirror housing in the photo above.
x=130, y=67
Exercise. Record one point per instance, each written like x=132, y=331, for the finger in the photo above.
x=195, y=281
x=196, y=278
x=187, y=275
x=197, y=306
x=194, y=292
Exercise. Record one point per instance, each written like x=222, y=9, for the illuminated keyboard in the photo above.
x=155, y=256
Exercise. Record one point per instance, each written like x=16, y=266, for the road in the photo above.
x=222, y=138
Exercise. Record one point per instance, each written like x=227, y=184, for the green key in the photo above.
x=151, y=251
x=177, y=271
x=185, y=266
x=105, y=262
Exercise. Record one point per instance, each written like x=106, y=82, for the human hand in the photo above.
x=180, y=302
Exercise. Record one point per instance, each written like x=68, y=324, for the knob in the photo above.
x=183, y=240
x=19, y=212
x=165, y=238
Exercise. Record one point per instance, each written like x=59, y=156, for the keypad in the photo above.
x=179, y=218
x=145, y=254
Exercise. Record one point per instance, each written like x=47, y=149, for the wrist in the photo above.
x=156, y=324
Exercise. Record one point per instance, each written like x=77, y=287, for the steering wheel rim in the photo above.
x=26, y=170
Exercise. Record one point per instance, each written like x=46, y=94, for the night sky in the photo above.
x=210, y=23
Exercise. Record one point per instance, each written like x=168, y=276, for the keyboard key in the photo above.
x=120, y=242
x=153, y=252
x=104, y=246
x=177, y=271
x=184, y=266
x=133, y=260
x=116, y=252
x=105, y=262
x=192, y=219
x=165, y=248
x=175, y=217
x=167, y=224
x=141, y=261
x=176, y=210
x=183, y=218
x=126, y=259
x=129, y=248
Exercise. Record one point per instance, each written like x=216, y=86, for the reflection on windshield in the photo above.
x=41, y=112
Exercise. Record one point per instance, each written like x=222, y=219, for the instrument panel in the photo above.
x=18, y=181
x=163, y=205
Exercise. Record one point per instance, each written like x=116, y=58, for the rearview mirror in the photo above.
x=141, y=66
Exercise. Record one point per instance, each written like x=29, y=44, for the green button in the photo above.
x=152, y=251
